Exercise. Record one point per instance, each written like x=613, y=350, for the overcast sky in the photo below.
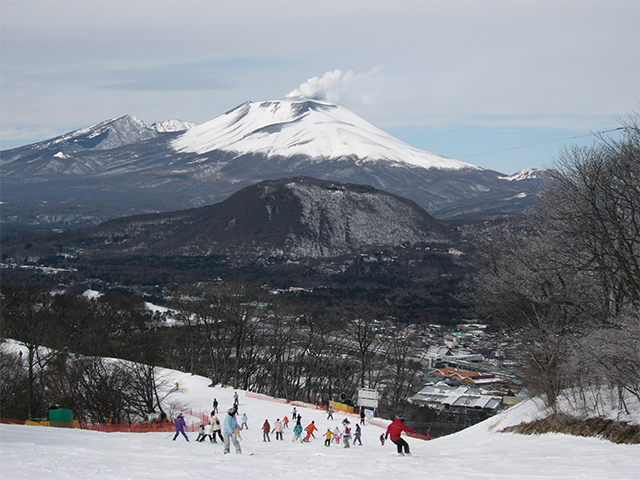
x=457, y=78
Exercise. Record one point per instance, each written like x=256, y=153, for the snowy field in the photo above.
x=28, y=452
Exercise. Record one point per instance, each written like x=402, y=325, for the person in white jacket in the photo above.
x=216, y=428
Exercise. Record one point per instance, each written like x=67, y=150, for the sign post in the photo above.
x=368, y=397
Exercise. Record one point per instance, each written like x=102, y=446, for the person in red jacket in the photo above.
x=394, y=431
x=266, y=428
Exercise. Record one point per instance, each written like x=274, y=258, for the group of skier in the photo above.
x=229, y=430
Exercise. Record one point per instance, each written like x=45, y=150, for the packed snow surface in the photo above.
x=300, y=126
x=478, y=453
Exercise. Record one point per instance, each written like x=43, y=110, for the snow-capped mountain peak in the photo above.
x=527, y=174
x=301, y=126
x=173, y=125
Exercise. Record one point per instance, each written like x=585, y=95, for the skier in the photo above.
x=180, y=424
x=336, y=435
x=215, y=405
x=346, y=436
x=310, y=429
x=230, y=431
x=357, y=436
x=328, y=435
x=394, y=431
x=266, y=428
x=297, y=431
x=382, y=439
x=361, y=415
x=295, y=414
x=201, y=434
x=235, y=400
x=244, y=422
x=278, y=428
x=329, y=412
x=216, y=428
x=208, y=432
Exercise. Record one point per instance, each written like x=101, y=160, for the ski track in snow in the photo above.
x=478, y=452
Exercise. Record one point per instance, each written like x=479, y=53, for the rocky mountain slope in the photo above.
x=122, y=167
x=289, y=218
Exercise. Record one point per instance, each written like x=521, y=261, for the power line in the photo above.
x=541, y=143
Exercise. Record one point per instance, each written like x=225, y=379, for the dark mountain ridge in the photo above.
x=292, y=218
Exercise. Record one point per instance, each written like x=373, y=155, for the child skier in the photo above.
x=244, y=422
x=297, y=431
x=346, y=437
x=357, y=436
x=328, y=435
x=201, y=434
x=208, y=432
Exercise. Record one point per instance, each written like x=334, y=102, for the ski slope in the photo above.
x=478, y=453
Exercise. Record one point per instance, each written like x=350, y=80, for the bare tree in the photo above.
x=361, y=328
x=403, y=369
x=567, y=276
x=28, y=316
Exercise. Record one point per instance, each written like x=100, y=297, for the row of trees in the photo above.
x=236, y=334
x=50, y=326
x=566, y=277
x=93, y=387
x=241, y=337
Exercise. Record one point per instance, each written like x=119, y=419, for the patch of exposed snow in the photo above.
x=526, y=174
x=173, y=125
x=91, y=294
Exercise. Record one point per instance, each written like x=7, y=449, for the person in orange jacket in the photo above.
x=394, y=432
x=310, y=429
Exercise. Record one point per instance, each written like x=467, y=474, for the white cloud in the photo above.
x=338, y=87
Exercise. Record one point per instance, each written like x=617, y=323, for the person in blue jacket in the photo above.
x=180, y=424
x=230, y=431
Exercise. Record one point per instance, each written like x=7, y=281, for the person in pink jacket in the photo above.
x=278, y=428
x=394, y=432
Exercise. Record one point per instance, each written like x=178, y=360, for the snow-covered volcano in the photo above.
x=300, y=126
x=123, y=167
